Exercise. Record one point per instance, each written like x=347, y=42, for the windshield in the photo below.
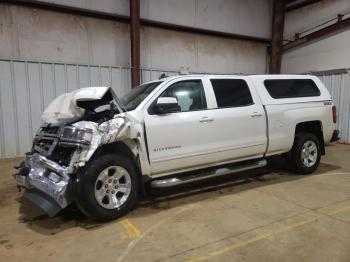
x=132, y=99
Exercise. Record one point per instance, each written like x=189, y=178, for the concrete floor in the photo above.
x=266, y=215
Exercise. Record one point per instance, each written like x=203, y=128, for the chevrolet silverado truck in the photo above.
x=101, y=152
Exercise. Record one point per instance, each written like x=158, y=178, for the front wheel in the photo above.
x=107, y=188
x=305, y=154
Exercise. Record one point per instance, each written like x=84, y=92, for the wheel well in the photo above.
x=313, y=127
x=121, y=148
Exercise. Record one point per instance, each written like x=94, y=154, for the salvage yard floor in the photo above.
x=268, y=214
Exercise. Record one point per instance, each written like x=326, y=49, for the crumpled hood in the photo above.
x=64, y=107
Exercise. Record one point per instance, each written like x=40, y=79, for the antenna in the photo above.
x=162, y=76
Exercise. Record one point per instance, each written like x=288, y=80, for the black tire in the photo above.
x=85, y=186
x=295, y=156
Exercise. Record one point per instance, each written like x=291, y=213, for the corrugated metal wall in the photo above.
x=338, y=84
x=27, y=87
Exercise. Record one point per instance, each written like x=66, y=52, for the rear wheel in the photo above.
x=107, y=188
x=305, y=155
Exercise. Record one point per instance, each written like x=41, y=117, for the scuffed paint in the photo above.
x=120, y=128
x=109, y=131
x=114, y=129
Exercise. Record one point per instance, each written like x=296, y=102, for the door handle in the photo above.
x=206, y=120
x=256, y=114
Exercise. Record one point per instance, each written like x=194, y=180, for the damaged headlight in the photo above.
x=71, y=134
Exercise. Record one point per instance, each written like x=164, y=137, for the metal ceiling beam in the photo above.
x=135, y=42
x=293, y=5
x=67, y=9
x=286, y=2
x=200, y=31
x=331, y=29
x=277, y=36
x=126, y=19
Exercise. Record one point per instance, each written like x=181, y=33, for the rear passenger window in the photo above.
x=231, y=92
x=291, y=88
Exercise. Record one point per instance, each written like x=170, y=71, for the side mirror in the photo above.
x=166, y=105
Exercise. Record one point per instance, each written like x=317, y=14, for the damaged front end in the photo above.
x=64, y=144
x=47, y=184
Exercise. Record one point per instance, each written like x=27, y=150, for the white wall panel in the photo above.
x=215, y=55
x=9, y=141
x=169, y=50
x=233, y=16
x=34, y=85
x=339, y=87
x=33, y=34
x=327, y=53
x=24, y=121
x=38, y=35
x=72, y=77
x=313, y=15
x=84, y=76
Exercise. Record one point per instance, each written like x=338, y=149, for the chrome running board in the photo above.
x=207, y=173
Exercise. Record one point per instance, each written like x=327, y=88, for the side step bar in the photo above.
x=208, y=173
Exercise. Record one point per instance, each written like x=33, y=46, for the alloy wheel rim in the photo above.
x=309, y=153
x=112, y=187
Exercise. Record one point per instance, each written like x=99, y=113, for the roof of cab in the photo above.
x=267, y=76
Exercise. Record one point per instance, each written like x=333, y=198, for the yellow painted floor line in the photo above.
x=337, y=173
x=336, y=211
x=133, y=232
x=263, y=236
x=251, y=240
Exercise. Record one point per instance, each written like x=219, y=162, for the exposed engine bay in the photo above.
x=73, y=121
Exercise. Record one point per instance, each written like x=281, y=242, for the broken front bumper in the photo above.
x=47, y=184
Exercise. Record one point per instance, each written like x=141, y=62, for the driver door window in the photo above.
x=189, y=94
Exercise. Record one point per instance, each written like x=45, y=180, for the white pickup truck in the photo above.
x=101, y=152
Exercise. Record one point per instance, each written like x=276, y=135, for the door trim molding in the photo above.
x=205, y=153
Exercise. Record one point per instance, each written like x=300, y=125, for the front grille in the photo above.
x=45, y=146
x=46, y=140
x=50, y=130
x=62, y=155
x=46, y=143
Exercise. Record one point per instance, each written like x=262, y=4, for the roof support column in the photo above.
x=277, y=36
x=135, y=42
